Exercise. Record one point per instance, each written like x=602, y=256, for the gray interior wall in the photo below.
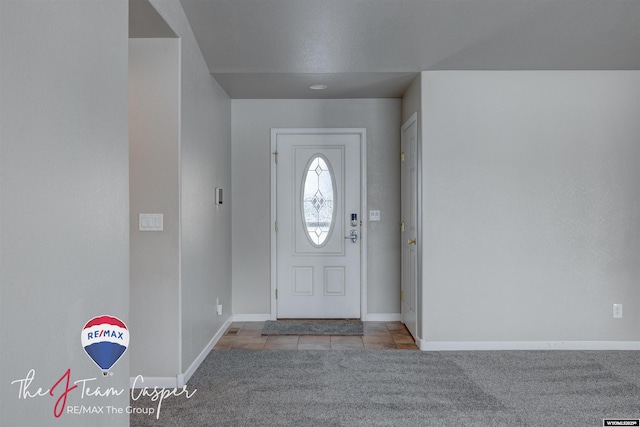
x=531, y=189
x=205, y=163
x=64, y=207
x=251, y=157
x=154, y=179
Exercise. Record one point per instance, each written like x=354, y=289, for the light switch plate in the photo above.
x=374, y=215
x=151, y=222
x=617, y=311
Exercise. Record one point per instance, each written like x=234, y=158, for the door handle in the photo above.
x=411, y=241
x=353, y=236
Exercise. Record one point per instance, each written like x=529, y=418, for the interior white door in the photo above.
x=409, y=225
x=318, y=225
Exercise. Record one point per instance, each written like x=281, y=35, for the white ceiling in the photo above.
x=374, y=48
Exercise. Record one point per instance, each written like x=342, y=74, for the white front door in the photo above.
x=318, y=231
x=409, y=213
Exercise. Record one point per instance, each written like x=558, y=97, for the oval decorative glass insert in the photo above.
x=317, y=200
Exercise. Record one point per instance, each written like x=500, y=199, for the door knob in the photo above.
x=411, y=241
x=353, y=236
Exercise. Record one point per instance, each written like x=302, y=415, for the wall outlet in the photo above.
x=617, y=311
x=218, y=307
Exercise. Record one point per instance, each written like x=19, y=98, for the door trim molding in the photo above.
x=362, y=133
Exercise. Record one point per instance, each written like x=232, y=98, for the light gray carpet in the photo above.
x=405, y=388
x=307, y=327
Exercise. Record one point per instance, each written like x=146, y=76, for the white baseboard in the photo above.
x=260, y=317
x=203, y=354
x=181, y=379
x=383, y=317
x=370, y=317
x=526, y=345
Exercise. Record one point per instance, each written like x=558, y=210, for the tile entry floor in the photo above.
x=377, y=336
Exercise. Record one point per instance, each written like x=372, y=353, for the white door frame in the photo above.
x=362, y=132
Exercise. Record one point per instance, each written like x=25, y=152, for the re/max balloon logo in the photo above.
x=105, y=339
